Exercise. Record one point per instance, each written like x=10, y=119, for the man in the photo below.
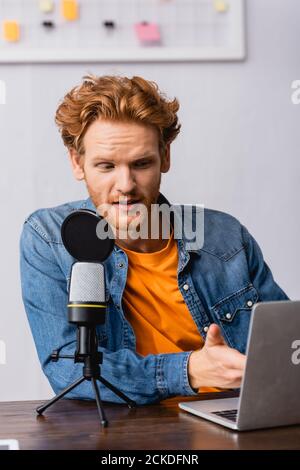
x=177, y=318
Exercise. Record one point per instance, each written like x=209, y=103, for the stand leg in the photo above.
x=42, y=408
x=130, y=403
x=103, y=419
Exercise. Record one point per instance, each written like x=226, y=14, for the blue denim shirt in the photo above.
x=219, y=283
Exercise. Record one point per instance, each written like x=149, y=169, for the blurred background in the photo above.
x=238, y=152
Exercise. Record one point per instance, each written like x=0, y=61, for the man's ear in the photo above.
x=77, y=164
x=165, y=162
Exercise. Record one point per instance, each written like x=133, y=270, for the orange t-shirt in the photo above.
x=154, y=306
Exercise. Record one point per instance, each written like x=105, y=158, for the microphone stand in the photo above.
x=88, y=354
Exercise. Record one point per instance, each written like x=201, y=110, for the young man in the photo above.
x=177, y=318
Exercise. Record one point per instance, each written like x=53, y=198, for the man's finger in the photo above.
x=214, y=336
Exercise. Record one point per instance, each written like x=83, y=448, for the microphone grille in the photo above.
x=87, y=282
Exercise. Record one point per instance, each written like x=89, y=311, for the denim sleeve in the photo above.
x=44, y=292
x=260, y=273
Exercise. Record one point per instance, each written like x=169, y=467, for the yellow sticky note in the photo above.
x=221, y=6
x=70, y=10
x=11, y=31
x=46, y=6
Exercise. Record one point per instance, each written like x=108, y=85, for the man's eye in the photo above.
x=142, y=164
x=104, y=166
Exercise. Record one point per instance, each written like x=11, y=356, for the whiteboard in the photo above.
x=190, y=30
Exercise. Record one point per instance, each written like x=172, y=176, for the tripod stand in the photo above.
x=87, y=352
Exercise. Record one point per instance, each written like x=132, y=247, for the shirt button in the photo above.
x=205, y=329
x=186, y=287
x=121, y=265
x=228, y=316
x=249, y=303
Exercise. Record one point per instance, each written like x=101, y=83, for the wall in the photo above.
x=238, y=152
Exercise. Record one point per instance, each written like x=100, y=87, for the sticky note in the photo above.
x=147, y=33
x=221, y=6
x=46, y=6
x=11, y=31
x=70, y=10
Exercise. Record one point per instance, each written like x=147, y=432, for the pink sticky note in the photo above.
x=147, y=33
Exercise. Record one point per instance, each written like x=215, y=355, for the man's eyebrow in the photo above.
x=101, y=157
x=144, y=156
x=109, y=159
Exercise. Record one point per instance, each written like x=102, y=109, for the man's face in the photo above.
x=122, y=167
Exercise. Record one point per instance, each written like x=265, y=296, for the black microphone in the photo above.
x=87, y=303
x=86, y=306
x=80, y=236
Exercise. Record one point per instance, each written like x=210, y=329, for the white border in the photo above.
x=12, y=444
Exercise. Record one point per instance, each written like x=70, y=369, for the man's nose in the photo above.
x=125, y=181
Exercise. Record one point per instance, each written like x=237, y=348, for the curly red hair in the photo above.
x=116, y=98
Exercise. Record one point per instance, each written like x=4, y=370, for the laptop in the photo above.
x=270, y=388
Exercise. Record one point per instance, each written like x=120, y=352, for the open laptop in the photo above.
x=271, y=383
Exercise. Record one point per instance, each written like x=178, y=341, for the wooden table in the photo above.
x=72, y=424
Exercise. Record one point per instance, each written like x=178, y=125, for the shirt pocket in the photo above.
x=234, y=313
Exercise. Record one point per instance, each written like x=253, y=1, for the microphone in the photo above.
x=86, y=307
x=87, y=294
x=86, y=302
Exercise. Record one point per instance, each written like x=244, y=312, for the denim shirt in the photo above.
x=219, y=283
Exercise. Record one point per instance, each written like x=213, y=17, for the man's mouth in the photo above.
x=126, y=204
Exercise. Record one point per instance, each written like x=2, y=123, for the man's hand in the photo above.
x=216, y=364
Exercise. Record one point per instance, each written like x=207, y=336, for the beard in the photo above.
x=130, y=219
